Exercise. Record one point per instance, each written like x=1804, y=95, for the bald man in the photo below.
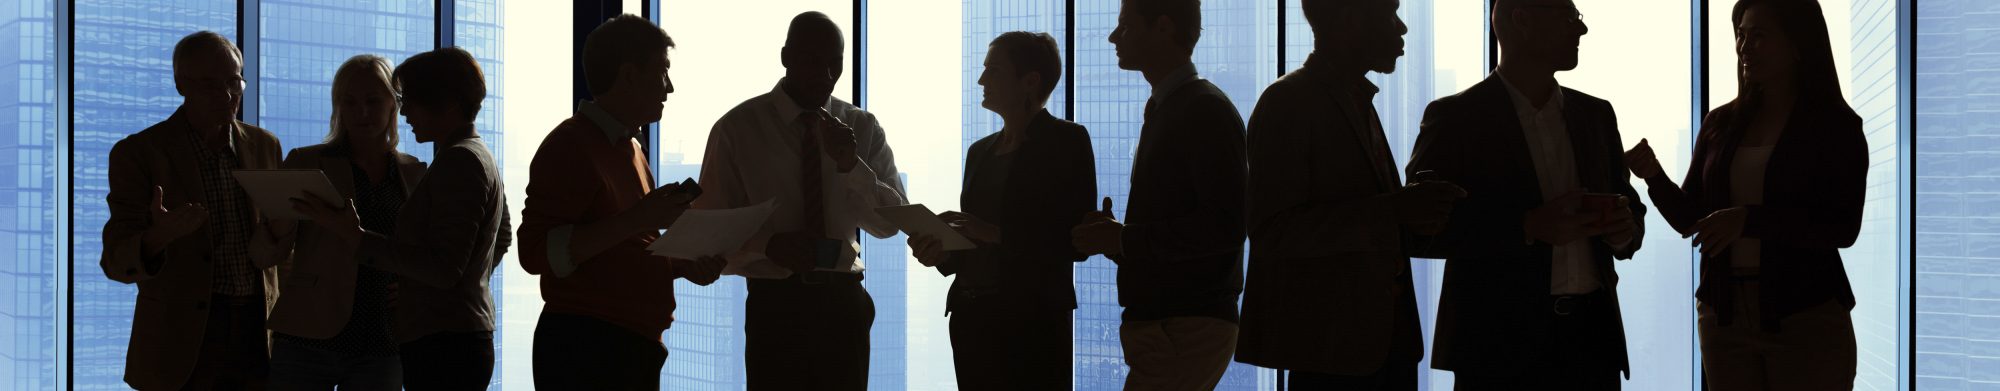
x=827, y=166
x=1530, y=294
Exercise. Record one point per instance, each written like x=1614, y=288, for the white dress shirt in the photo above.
x=753, y=156
x=1746, y=187
x=1547, y=133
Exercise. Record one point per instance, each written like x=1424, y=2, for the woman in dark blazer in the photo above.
x=1024, y=187
x=1774, y=192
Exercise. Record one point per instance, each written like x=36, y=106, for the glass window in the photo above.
x=124, y=83
x=1237, y=53
x=1864, y=54
x=476, y=27
x=29, y=193
x=722, y=57
x=535, y=104
x=1642, y=64
x=305, y=41
x=1444, y=52
x=1958, y=208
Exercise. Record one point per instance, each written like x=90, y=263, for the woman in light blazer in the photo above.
x=448, y=238
x=331, y=327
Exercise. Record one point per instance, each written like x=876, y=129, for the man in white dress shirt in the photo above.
x=1530, y=292
x=826, y=164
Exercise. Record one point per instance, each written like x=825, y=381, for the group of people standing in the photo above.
x=1521, y=185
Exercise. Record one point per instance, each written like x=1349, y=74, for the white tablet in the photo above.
x=272, y=190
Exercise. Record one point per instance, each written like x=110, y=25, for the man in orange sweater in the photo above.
x=591, y=211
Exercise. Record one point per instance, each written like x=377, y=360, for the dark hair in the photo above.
x=1814, y=77
x=442, y=77
x=1319, y=12
x=203, y=42
x=1186, y=15
x=1032, y=52
x=624, y=39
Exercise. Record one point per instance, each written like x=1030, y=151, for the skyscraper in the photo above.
x=29, y=192
x=888, y=282
x=705, y=343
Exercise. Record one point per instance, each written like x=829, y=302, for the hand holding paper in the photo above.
x=915, y=219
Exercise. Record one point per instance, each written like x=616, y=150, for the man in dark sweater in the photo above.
x=1180, y=250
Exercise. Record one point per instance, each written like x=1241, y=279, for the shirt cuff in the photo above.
x=1622, y=247
x=560, y=263
x=862, y=177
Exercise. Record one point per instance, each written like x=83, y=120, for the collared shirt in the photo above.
x=1172, y=82
x=753, y=156
x=228, y=217
x=1547, y=134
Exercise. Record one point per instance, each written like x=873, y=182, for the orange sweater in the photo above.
x=580, y=176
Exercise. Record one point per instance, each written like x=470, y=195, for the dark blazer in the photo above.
x=450, y=235
x=1051, y=184
x=317, y=270
x=1184, y=235
x=172, y=309
x=1328, y=274
x=1814, y=187
x=1493, y=313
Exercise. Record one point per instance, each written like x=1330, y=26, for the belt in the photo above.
x=1565, y=305
x=818, y=277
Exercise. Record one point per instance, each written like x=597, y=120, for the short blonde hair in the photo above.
x=375, y=69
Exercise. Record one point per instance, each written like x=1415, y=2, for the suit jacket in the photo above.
x=1494, y=311
x=1814, y=186
x=450, y=235
x=317, y=270
x=1051, y=183
x=174, y=287
x=1328, y=272
x=1183, y=236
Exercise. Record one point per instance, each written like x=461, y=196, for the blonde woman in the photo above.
x=332, y=325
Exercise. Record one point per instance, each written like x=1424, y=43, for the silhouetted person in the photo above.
x=807, y=318
x=1180, y=249
x=1329, y=294
x=332, y=327
x=450, y=233
x=592, y=209
x=1780, y=174
x=181, y=225
x=1024, y=187
x=1530, y=296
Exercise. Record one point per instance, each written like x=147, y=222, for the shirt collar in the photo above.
x=614, y=131
x=1174, y=81
x=1521, y=101
x=229, y=138
x=789, y=109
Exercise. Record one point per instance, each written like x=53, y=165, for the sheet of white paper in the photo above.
x=916, y=219
x=272, y=190
x=709, y=232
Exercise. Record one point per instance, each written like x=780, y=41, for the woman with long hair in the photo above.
x=1773, y=193
x=331, y=327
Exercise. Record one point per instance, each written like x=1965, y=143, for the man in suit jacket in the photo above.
x=1530, y=294
x=1180, y=249
x=181, y=227
x=1329, y=294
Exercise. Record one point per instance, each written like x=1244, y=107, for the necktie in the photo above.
x=813, y=203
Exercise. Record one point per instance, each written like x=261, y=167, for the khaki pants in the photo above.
x=1813, y=350
x=1184, y=353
